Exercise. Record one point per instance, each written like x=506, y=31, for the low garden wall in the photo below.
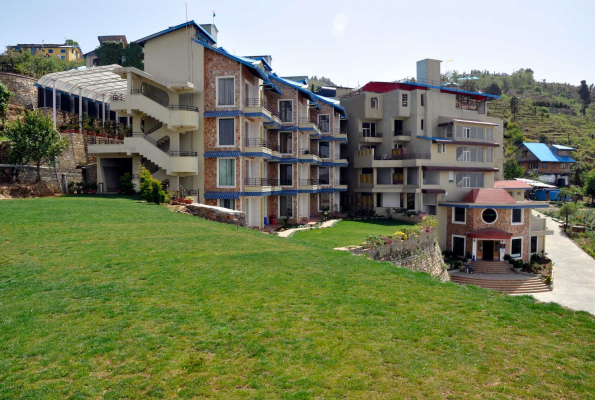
x=419, y=253
x=218, y=214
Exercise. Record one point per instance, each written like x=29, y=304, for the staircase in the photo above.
x=521, y=284
x=491, y=267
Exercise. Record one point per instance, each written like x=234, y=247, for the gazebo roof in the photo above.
x=95, y=82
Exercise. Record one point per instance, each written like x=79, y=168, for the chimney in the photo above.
x=428, y=71
x=211, y=30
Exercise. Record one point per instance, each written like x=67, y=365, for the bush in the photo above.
x=150, y=188
x=125, y=184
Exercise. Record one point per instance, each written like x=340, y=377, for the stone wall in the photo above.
x=23, y=88
x=218, y=214
x=419, y=254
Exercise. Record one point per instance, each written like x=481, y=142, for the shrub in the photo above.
x=126, y=185
x=150, y=188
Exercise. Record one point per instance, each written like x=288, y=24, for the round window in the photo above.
x=489, y=215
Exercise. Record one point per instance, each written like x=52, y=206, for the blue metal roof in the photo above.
x=204, y=33
x=545, y=154
x=339, y=109
x=436, y=139
x=309, y=95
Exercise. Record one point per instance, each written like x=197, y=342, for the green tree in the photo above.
x=34, y=140
x=494, y=89
x=115, y=53
x=512, y=168
x=515, y=104
x=517, y=136
x=585, y=95
x=150, y=188
x=567, y=211
x=5, y=96
x=589, y=187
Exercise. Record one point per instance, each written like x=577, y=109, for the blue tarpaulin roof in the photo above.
x=545, y=154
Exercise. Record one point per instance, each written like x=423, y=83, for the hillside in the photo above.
x=549, y=112
x=106, y=297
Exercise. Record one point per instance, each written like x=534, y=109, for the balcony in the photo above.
x=401, y=136
x=310, y=125
x=399, y=154
x=257, y=110
x=308, y=155
x=340, y=161
x=367, y=158
x=337, y=134
x=255, y=145
x=309, y=184
x=260, y=184
x=341, y=183
x=370, y=137
x=176, y=117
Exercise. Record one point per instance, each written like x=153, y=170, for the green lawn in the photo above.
x=112, y=298
x=347, y=233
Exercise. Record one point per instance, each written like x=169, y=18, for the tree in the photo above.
x=564, y=194
x=585, y=95
x=566, y=211
x=150, y=188
x=34, y=140
x=494, y=89
x=512, y=169
x=515, y=103
x=115, y=53
x=70, y=42
x=5, y=96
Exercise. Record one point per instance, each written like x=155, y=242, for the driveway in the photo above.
x=574, y=273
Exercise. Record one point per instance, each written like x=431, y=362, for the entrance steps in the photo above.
x=510, y=284
x=491, y=267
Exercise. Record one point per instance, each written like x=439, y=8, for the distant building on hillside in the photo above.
x=552, y=163
x=61, y=51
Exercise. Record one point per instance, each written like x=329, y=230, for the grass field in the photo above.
x=112, y=298
x=347, y=233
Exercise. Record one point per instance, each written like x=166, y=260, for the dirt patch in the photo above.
x=21, y=191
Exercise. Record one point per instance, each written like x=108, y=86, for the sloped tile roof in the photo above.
x=488, y=196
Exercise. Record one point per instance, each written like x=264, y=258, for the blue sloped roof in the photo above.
x=309, y=95
x=545, y=154
x=339, y=109
x=175, y=28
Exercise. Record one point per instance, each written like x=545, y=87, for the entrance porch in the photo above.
x=488, y=244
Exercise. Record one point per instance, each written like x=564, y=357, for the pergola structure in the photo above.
x=96, y=84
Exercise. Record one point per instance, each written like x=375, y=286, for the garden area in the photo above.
x=578, y=222
x=107, y=296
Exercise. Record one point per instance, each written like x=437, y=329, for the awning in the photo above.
x=489, y=233
x=460, y=169
x=433, y=191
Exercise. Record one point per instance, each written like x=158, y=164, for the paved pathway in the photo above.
x=289, y=232
x=574, y=273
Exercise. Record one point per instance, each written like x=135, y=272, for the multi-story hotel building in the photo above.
x=422, y=145
x=226, y=129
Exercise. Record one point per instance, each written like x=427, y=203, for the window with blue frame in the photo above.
x=63, y=57
x=50, y=50
x=62, y=51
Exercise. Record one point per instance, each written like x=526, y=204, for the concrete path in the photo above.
x=287, y=233
x=574, y=273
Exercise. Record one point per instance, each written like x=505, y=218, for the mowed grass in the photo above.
x=346, y=233
x=112, y=298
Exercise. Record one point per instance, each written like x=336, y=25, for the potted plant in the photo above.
x=71, y=187
x=189, y=200
x=86, y=188
x=93, y=187
x=79, y=187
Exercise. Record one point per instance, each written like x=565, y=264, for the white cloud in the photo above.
x=340, y=25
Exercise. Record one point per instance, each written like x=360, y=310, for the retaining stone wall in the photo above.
x=218, y=214
x=23, y=88
x=419, y=254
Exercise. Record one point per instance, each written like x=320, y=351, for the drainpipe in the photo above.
x=81, y=110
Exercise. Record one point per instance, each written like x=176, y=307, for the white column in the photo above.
x=81, y=110
x=474, y=254
x=117, y=123
x=54, y=101
x=103, y=104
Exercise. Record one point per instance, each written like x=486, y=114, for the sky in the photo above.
x=351, y=42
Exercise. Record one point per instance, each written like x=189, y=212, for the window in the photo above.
x=226, y=172
x=374, y=103
x=451, y=176
x=489, y=154
x=533, y=244
x=227, y=203
x=63, y=58
x=422, y=124
x=441, y=147
x=489, y=134
x=286, y=110
x=226, y=134
x=285, y=206
x=458, y=215
x=50, y=50
x=489, y=215
x=544, y=165
x=517, y=216
x=286, y=142
x=404, y=100
x=286, y=174
x=422, y=97
x=324, y=150
x=470, y=179
x=458, y=246
x=563, y=165
x=398, y=127
x=516, y=247
x=369, y=129
x=324, y=123
x=324, y=201
x=324, y=175
x=469, y=132
x=469, y=154
x=226, y=91
x=62, y=51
